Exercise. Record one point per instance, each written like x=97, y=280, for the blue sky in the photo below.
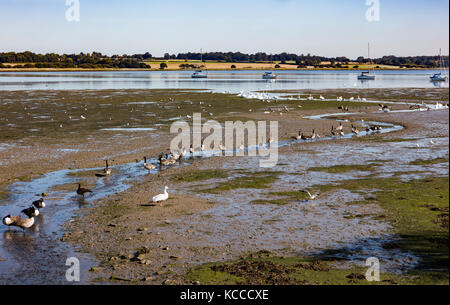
x=321, y=27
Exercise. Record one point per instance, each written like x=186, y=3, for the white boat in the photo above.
x=366, y=76
x=199, y=74
x=269, y=75
x=438, y=77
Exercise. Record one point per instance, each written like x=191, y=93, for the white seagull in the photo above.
x=311, y=197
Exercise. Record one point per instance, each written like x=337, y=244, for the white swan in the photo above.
x=161, y=197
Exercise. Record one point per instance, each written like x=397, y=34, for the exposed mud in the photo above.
x=194, y=227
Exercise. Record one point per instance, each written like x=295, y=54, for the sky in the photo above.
x=320, y=27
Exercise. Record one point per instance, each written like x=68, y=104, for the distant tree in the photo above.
x=166, y=56
x=163, y=65
x=355, y=67
x=277, y=66
x=233, y=67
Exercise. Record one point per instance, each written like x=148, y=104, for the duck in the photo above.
x=81, y=191
x=107, y=170
x=23, y=223
x=39, y=204
x=161, y=197
x=148, y=166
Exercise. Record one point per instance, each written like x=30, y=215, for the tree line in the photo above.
x=82, y=60
x=99, y=60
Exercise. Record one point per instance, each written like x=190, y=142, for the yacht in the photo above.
x=438, y=77
x=365, y=75
x=269, y=75
x=199, y=74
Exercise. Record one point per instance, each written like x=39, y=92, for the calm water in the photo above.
x=230, y=81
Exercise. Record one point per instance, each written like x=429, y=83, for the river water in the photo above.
x=219, y=81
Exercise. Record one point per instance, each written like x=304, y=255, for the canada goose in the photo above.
x=148, y=166
x=340, y=127
x=17, y=221
x=81, y=191
x=107, y=170
x=333, y=133
x=299, y=136
x=166, y=161
x=354, y=130
x=314, y=135
x=183, y=153
x=39, y=204
x=161, y=197
x=202, y=147
x=191, y=149
x=222, y=147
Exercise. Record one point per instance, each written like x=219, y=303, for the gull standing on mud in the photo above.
x=311, y=197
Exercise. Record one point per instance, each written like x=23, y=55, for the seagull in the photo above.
x=161, y=197
x=83, y=117
x=311, y=197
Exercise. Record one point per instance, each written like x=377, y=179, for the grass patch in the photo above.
x=271, y=201
x=257, y=180
x=337, y=169
x=265, y=269
x=418, y=211
x=201, y=175
x=428, y=162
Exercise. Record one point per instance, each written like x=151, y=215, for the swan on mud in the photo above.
x=161, y=197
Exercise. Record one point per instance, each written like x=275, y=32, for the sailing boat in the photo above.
x=199, y=73
x=365, y=75
x=438, y=77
